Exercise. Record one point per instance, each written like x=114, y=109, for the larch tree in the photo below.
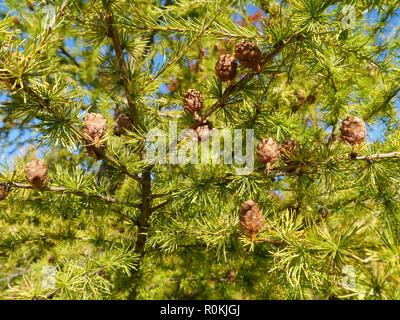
x=100, y=199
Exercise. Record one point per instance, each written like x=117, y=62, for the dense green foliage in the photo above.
x=119, y=228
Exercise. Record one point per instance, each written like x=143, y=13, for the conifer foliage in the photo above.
x=85, y=215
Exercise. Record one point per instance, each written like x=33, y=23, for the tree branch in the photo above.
x=146, y=183
x=211, y=32
x=156, y=284
x=376, y=156
x=202, y=31
x=68, y=55
x=230, y=90
x=161, y=205
x=65, y=190
x=122, y=64
x=278, y=171
x=81, y=134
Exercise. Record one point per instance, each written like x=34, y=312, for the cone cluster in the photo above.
x=248, y=54
x=193, y=103
x=269, y=151
x=251, y=218
x=36, y=173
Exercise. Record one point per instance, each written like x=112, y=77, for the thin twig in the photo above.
x=283, y=171
x=12, y=276
x=46, y=35
x=230, y=90
x=376, y=156
x=68, y=55
x=69, y=191
x=161, y=205
x=123, y=66
x=210, y=32
x=170, y=63
x=156, y=284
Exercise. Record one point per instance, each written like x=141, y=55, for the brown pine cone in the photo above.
x=192, y=101
x=268, y=151
x=36, y=173
x=3, y=192
x=353, y=130
x=202, y=53
x=288, y=149
x=204, y=131
x=123, y=123
x=51, y=259
x=301, y=96
x=16, y=20
x=30, y=5
x=95, y=126
x=230, y=275
x=225, y=68
x=248, y=54
x=251, y=218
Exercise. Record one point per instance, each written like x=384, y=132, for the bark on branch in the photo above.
x=64, y=190
x=377, y=156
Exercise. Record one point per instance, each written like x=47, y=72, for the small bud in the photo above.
x=372, y=69
x=202, y=53
x=218, y=48
x=94, y=151
x=230, y=275
x=16, y=20
x=288, y=149
x=311, y=99
x=124, y=123
x=204, y=131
